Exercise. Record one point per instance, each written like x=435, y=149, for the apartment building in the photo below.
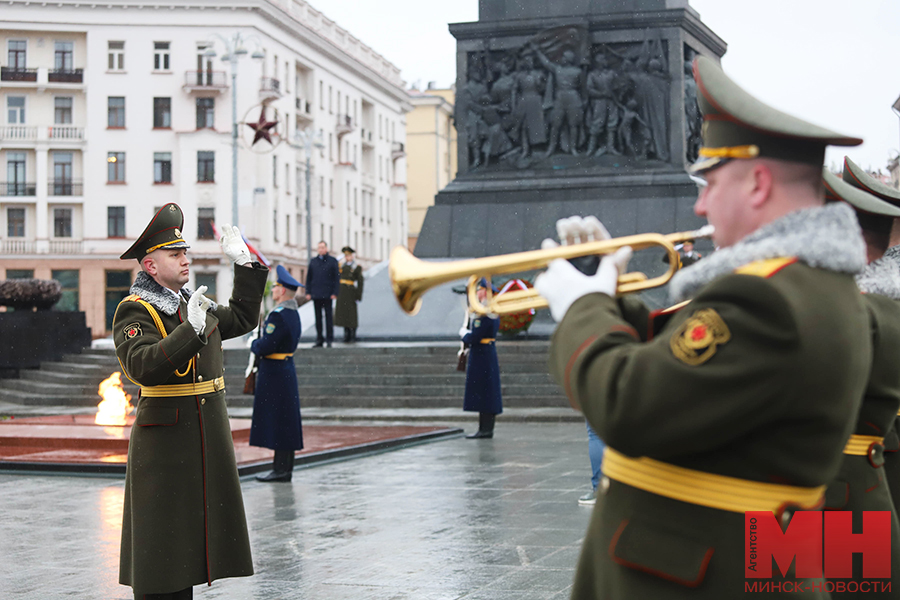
x=113, y=109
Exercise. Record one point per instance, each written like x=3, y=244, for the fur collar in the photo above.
x=882, y=276
x=826, y=237
x=162, y=299
x=288, y=304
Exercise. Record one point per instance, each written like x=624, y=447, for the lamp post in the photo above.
x=234, y=50
x=307, y=140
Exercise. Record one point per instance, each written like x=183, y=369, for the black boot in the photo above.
x=485, y=427
x=185, y=594
x=282, y=465
x=353, y=334
x=348, y=334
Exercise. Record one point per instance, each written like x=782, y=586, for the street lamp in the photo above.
x=234, y=50
x=307, y=140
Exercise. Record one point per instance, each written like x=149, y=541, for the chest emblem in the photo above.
x=132, y=331
x=697, y=339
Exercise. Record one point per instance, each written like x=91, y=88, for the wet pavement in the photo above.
x=454, y=519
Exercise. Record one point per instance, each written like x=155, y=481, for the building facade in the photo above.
x=431, y=143
x=114, y=109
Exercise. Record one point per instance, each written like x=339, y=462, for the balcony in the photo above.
x=64, y=188
x=344, y=125
x=66, y=247
x=22, y=133
x=304, y=111
x=17, y=246
x=65, y=132
x=397, y=150
x=65, y=76
x=15, y=74
x=269, y=89
x=17, y=189
x=367, y=138
x=205, y=81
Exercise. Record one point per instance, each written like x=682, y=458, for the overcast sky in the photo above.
x=834, y=63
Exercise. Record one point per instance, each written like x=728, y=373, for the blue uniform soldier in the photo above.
x=276, y=404
x=483, y=370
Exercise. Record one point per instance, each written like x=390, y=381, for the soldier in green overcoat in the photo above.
x=345, y=314
x=745, y=398
x=183, y=521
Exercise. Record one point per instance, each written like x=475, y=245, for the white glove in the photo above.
x=575, y=230
x=254, y=335
x=197, y=307
x=463, y=331
x=233, y=245
x=562, y=284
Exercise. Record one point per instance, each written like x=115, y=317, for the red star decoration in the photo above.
x=262, y=128
x=698, y=333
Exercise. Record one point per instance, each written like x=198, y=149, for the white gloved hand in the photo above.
x=576, y=230
x=196, y=308
x=562, y=284
x=463, y=331
x=233, y=245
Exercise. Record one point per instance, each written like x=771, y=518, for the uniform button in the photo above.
x=199, y=377
x=202, y=400
x=604, y=485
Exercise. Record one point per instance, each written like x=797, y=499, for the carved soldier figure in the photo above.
x=568, y=106
x=692, y=117
x=470, y=108
x=604, y=109
x=529, y=105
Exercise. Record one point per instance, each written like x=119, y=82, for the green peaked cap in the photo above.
x=738, y=126
x=862, y=201
x=163, y=231
x=858, y=178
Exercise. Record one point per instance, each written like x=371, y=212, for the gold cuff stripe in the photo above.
x=858, y=445
x=185, y=389
x=348, y=282
x=751, y=151
x=278, y=356
x=706, y=489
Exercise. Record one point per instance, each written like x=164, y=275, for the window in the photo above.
x=62, y=56
x=331, y=194
x=62, y=174
x=275, y=220
x=15, y=106
x=68, y=281
x=162, y=113
x=15, y=57
x=380, y=129
x=115, y=162
x=355, y=202
x=380, y=208
x=330, y=97
x=62, y=110
x=206, y=113
x=275, y=171
x=62, y=222
x=15, y=224
x=321, y=96
x=160, y=56
x=20, y=273
x=115, y=112
x=162, y=167
x=118, y=285
x=115, y=221
x=116, y=56
x=330, y=153
x=209, y=280
x=15, y=175
x=206, y=166
x=322, y=191
x=205, y=219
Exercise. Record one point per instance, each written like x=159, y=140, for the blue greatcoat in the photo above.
x=276, y=404
x=483, y=369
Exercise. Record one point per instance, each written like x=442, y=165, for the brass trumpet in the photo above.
x=412, y=277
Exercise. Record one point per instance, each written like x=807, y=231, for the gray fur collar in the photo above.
x=149, y=290
x=826, y=237
x=882, y=276
x=288, y=304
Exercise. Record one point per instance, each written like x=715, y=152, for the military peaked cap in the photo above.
x=164, y=231
x=736, y=125
x=860, y=200
x=284, y=278
x=858, y=178
x=348, y=250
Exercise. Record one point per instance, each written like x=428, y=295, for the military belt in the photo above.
x=861, y=445
x=488, y=340
x=279, y=356
x=707, y=489
x=348, y=282
x=184, y=389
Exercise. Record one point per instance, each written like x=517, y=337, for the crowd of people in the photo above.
x=771, y=387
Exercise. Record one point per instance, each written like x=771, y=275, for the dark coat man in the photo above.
x=183, y=521
x=323, y=281
x=276, y=403
x=483, y=391
x=351, y=277
x=745, y=399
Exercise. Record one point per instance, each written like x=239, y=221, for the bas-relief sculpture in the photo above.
x=559, y=96
x=693, y=120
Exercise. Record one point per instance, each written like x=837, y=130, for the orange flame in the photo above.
x=116, y=403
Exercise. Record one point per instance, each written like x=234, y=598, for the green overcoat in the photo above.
x=183, y=521
x=767, y=390
x=350, y=293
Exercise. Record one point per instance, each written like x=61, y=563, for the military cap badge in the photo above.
x=695, y=342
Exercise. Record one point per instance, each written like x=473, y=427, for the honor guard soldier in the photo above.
x=745, y=399
x=483, y=391
x=888, y=275
x=345, y=313
x=183, y=522
x=276, y=403
x=861, y=484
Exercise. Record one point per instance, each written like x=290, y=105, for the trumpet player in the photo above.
x=744, y=399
